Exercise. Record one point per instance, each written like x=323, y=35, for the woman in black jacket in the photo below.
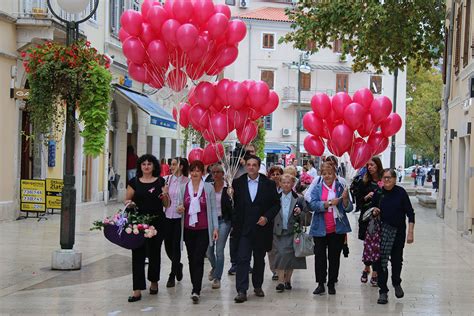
x=224, y=213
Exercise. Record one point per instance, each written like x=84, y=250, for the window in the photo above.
x=305, y=83
x=457, y=51
x=342, y=83
x=268, y=76
x=467, y=26
x=117, y=7
x=268, y=41
x=267, y=122
x=230, y=2
x=376, y=84
x=337, y=46
x=300, y=119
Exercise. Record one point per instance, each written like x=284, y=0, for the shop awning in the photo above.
x=158, y=115
x=277, y=148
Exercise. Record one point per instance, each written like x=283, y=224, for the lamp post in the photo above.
x=303, y=68
x=393, y=148
x=66, y=258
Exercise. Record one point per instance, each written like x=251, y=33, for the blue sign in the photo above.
x=52, y=153
x=162, y=122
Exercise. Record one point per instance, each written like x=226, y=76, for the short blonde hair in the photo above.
x=290, y=170
x=287, y=176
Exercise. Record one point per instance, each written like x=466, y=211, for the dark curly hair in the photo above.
x=153, y=160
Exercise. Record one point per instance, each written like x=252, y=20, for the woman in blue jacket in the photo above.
x=329, y=203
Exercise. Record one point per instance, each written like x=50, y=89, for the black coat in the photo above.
x=246, y=213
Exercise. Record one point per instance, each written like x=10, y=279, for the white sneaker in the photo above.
x=216, y=284
x=210, y=275
x=195, y=298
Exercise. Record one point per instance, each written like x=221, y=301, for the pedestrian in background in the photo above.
x=165, y=168
x=131, y=163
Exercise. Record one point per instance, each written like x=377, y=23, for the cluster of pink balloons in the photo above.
x=216, y=109
x=166, y=45
x=360, y=125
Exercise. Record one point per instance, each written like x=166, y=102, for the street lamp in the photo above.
x=303, y=68
x=66, y=258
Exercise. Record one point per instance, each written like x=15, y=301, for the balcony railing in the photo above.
x=290, y=94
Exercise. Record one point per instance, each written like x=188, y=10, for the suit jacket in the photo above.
x=278, y=221
x=246, y=213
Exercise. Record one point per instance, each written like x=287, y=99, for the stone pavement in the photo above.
x=438, y=277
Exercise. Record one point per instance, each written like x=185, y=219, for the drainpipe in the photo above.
x=249, y=31
x=447, y=94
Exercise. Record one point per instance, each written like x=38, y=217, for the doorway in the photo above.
x=26, y=168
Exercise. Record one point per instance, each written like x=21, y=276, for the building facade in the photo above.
x=456, y=194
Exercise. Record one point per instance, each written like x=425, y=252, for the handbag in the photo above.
x=303, y=245
x=413, y=174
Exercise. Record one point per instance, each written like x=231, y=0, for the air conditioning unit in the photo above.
x=286, y=132
x=244, y=3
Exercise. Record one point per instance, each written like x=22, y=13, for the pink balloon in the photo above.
x=341, y=138
x=214, y=71
x=377, y=142
x=380, y=109
x=197, y=53
x=314, y=145
x=194, y=71
x=195, y=154
x=391, y=125
x=353, y=115
x=361, y=152
x=334, y=149
x=134, y=51
x=236, y=31
x=271, y=105
x=237, y=118
x=254, y=114
x=203, y=10
x=213, y=153
x=147, y=34
x=313, y=124
x=258, y=94
x=168, y=6
x=176, y=80
x=187, y=35
x=227, y=56
x=177, y=57
x=221, y=90
x=205, y=94
x=236, y=94
x=198, y=117
x=218, y=126
x=158, y=53
x=169, y=30
x=156, y=16
x=131, y=21
x=123, y=35
x=247, y=133
x=321, y=105
x=184, y=115
x=182, y=10
x=339, y=103
x=138, y=73
x=157, y=79
x=367, y=126
x=364, y=97
x=224, y=9
x=217, y=25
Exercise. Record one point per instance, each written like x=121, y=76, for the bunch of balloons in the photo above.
x=360, y=125
x=166, y=45
x=216, y=109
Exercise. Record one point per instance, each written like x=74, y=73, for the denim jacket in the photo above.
x=318, y=225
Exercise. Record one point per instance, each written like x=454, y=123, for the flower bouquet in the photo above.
x=127, y=229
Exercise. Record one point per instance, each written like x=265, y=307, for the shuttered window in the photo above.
x=305, y=82
x=457, y=51
x=268, y=76
x=342, y=83
x=268, y=41
x=467, y=26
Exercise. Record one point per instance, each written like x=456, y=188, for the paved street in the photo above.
x=438, y=278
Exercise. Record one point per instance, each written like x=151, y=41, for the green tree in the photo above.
x=259, y=140
x=424, y=87
x=376, y=33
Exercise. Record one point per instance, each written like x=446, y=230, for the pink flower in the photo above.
x=380, y=184
x=140, y=227
x=145, y=226
x=136, y=231
x=128, y=230
x=297, y=241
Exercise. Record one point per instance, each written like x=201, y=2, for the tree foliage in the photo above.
x=376, y=33
x=424, y=86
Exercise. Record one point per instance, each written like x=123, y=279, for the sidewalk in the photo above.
x=438, y=277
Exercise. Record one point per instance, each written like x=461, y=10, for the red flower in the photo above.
x=88, y=44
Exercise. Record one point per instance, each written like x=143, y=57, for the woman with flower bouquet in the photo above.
x=292, y=212
x=145, y=192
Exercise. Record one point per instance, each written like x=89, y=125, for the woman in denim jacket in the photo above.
x=329, y=203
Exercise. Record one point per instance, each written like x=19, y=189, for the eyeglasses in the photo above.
x=275, y=174
x=387, y=178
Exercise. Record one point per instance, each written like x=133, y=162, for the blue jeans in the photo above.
x=215, y=254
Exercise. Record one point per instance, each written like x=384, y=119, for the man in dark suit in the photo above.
x=256, y=203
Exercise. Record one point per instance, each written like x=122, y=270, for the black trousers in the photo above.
x=327, y=248
x=151, y=249
x=197, y=242
x=233, y=248
x=396, y=261
x=172, y=237
x=246, y=248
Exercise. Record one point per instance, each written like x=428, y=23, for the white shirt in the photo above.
x=313, y=172
x=219, y=201
x=307, y=194
x=285, y=208
x=253, y=187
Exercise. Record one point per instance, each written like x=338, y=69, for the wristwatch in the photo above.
x=330, y=203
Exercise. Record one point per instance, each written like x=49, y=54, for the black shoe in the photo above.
x=179, y=273
x=154, y=291
x=383, y=298
x=331, y=289
x=320, y=290
x=274, y=277
x=288, y=286
x=171, y=282
x=241, y=297
x=232, y=270
x=399, y=291
x=280, y=287
x=195, y=298
x=259, y=292
x=132, y=299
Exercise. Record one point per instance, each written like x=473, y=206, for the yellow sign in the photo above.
x=54, y=188
x=21, y=93
x=33, y=197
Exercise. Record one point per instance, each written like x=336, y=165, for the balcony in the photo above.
x=290, y=95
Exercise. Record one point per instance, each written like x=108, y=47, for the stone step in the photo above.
x=427, y=201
